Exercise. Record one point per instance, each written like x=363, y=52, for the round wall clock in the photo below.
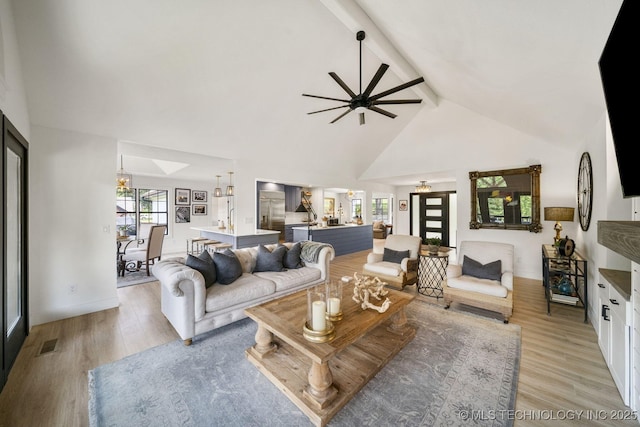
x=585, y=188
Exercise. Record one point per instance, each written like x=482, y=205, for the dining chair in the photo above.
x=152, y=253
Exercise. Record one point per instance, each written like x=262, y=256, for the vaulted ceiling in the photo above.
x=224, y=78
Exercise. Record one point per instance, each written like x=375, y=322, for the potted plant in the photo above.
x=124, y=230
x=433, y=244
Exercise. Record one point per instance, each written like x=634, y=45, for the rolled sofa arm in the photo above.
x=326, y=255
x=183, y=286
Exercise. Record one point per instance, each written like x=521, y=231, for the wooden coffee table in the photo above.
x=320, y=378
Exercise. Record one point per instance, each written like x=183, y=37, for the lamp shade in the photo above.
x=558, y=214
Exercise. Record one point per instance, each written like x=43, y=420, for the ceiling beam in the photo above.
x=355, y=19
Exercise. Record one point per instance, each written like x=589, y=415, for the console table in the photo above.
x=555, y=269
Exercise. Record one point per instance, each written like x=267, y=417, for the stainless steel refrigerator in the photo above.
x=272, y=211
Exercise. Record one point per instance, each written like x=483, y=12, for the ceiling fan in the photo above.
x=364, y=100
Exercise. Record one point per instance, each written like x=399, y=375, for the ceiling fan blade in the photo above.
x=342, y=84
x=325, y=97
x=374, y=81
x=383, y=112
x=397, y=101
x=341, y=116
x=328, y=109
x=397, y=88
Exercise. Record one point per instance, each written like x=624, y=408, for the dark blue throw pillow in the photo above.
x=291, y=258
x=394, y=256
x=204, y=264
x=270, y=261
x=491, y=270
x=228, y=267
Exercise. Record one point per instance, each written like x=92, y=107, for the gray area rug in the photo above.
x=457, y=363
x=135, y=278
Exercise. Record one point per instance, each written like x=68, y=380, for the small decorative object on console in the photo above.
x=566, y=246
x=366, y=287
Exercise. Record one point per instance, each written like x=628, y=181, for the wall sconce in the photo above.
x=218, y=191
x=558, y=214
x=230, y=186
x=123, y=179
x=423, y=187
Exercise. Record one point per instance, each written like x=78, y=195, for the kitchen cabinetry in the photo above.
x=288, y=231
x=614, y=330
x=291, y=198
x=564, y=279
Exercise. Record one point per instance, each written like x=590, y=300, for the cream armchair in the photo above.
x=397, y=262
x=482, y=278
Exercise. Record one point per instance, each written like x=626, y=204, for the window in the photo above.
x=138, y=210
x=380, y=210
x=126, y=210
x=152, y=210
x=356, y=208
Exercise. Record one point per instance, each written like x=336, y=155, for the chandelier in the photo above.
x=423, y=187
x=123, y=179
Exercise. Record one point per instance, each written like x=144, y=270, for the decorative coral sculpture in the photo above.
x=366, y=287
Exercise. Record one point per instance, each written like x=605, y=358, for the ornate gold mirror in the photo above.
x=506, y=199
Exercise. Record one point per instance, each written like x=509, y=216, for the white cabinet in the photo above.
x=614, y=330
x=604, y=319
x=635, y=336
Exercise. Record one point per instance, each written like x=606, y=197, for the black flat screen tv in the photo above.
x=620, y=81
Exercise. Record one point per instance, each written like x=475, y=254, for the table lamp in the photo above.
x=558, y=214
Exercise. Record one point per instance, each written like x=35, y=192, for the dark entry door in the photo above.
x=14, y=246
x=430, y=216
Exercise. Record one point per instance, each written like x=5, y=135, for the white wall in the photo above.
x=463, y=141
x=13, y=102
x=72, y=224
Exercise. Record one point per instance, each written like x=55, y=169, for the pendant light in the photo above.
x=423, y=187
x=218, y=191
x=230, y=186
x=123, y=179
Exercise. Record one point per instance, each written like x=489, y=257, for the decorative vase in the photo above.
x=564, y=287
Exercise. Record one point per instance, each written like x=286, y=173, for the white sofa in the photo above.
x=193, y=309
x=481, y=287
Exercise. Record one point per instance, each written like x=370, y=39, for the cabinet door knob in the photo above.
x=604, y=312
x=600, y=285
x=614, y=302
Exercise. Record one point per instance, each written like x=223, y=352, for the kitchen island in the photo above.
x=259, y=237
x=345, y=239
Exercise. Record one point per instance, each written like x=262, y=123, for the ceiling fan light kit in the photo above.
x=364, y=100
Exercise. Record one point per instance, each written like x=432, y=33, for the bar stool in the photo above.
x=193, y=245
x=219, y=247
x=208, y=245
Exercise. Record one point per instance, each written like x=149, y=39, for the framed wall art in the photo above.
x=183, y=214
x=199, y=196
x=183, y=196
x=403, y=205
x=199, y=210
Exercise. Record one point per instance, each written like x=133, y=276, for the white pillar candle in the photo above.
x=334, y=305
x=318, y=311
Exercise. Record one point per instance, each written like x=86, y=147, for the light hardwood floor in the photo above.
x=561, y=370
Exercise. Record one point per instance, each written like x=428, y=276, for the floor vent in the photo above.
x=48, y=346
